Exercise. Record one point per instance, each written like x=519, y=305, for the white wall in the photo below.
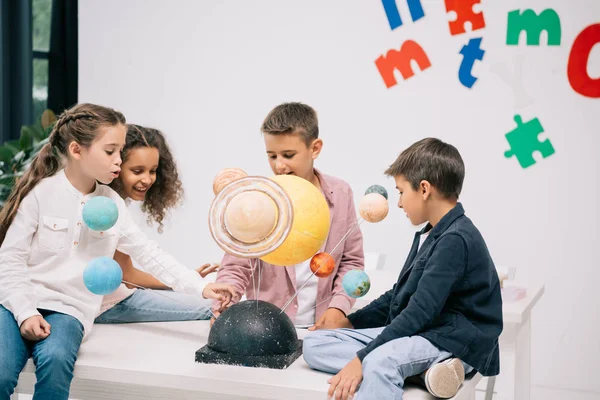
x=206, y=73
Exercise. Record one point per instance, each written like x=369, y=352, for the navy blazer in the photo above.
x=448, y=292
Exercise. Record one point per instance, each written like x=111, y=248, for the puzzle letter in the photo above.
x=400, y=60
x=533, y=25
x=580, y=80
x=464, y=13
x=393, y=16
x=470, y=52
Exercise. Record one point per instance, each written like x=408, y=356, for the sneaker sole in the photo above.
x=444, y=379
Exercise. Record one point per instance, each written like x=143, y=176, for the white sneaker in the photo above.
x=444, y=379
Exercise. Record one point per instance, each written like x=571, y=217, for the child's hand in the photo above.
x=332, y=319
x=344, y=384
x=35, y=328
x=222, y=292
x=207, y=269
x=217, y=314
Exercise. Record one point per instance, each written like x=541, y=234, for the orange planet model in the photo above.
x=322, y=264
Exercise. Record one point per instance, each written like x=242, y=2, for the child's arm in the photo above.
x=352, y=258
x=445, y=267
x=135, y=276
x=236, y=271
x=140, y=278
x=17, y=293
x=160, y=264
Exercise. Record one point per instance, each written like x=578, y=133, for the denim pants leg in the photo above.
x=55, y=356
x=384, y=369
x=14, y=353
x=330, y=350
x=148, y=305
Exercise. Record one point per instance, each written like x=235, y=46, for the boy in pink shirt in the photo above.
x=292, y=142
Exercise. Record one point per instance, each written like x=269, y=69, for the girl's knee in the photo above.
x=57, y=359
x=8, y=381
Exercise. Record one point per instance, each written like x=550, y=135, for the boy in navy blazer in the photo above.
x=443, y=316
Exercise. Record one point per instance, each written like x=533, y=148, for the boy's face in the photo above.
x=412, y=201
x=289, y=155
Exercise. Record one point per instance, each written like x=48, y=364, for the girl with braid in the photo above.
x=45, y=308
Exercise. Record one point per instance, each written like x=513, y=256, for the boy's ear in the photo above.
x=316, y=147
x=425, y=189
x=74, y=150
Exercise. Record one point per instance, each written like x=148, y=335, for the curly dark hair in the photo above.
x=167, y=191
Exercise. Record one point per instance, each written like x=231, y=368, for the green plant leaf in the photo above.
x=14, y=145
x=27, y=135
x=7, y=180
x=6, y=154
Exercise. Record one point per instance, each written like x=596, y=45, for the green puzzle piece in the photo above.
x=524, y=142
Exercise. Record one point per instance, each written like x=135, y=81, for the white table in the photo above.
x=515, y=340
x=156, y=361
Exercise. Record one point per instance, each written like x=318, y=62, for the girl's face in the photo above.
x=102, y=160
x=138, y=172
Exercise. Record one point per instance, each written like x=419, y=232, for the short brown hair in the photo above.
x=432, y=160
x=289, y=118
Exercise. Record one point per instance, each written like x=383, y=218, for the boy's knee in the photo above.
x=310, y=348
x=314, y=345
x=378, y=361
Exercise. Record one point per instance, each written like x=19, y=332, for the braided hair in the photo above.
x=80, y=124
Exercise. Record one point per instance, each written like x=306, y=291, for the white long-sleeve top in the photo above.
x=48, y=246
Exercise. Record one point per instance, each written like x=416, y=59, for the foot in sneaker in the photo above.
x=444, y=379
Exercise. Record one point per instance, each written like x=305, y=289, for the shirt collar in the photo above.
x=445, y=222
x=327, y=192
x=72, y=189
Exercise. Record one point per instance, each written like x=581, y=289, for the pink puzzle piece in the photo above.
x=464, y=13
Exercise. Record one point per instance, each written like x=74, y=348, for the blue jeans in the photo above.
x=151, y=306
x=54, y=357
x=384, y=369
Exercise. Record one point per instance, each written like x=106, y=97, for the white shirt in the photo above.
x=307, y=297
x=48, y=246
x=422, y=239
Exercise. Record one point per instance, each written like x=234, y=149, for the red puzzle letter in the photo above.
x=400, y=60
x=579, y=79
x=464, y=13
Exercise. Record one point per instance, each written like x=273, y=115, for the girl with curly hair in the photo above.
x=149, y=174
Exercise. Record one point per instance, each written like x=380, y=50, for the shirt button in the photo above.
x=83, y=203
x=78, y=224
x=101, y=233
x=75, y=243
x=54, y=226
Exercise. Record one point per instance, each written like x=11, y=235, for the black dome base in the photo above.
x=254, y=334
x=274, y=361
